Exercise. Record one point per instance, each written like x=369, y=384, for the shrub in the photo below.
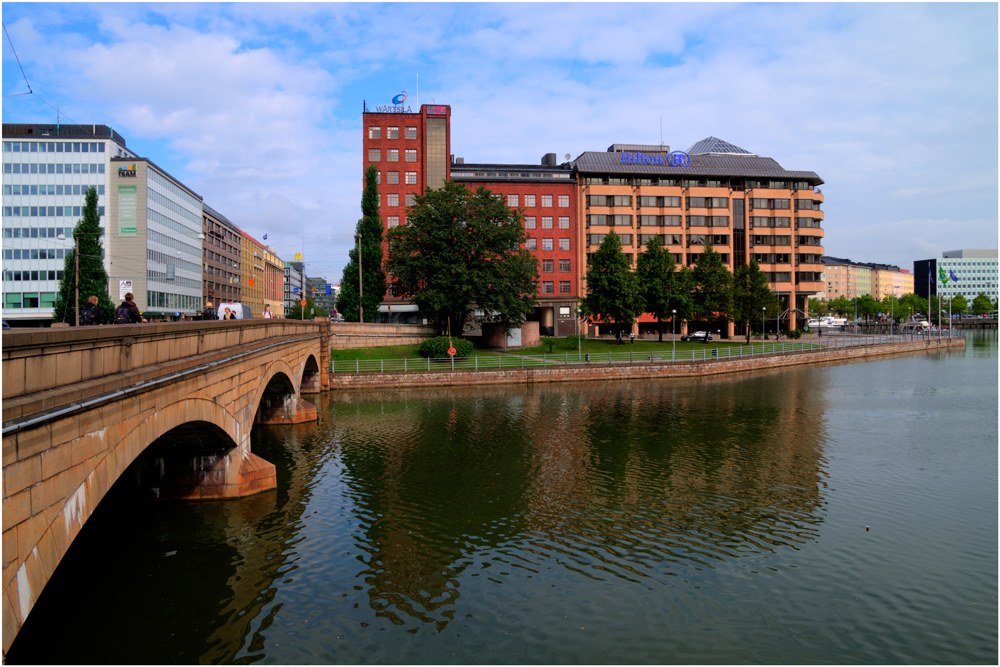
x=437, y=348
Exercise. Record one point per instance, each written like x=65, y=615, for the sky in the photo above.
x=257, y=107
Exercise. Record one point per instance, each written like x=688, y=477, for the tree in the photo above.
x=751, y=295
x=867, y=306
x=713, y=286
x=913, y=304
x=373, y=275
x=842, y=306
x=662, y=287
x=312, y=310
x=819, y=307
x=982, y=305
x=612, y=287
x=461, y=248
x=959, y=304
x=93, y=277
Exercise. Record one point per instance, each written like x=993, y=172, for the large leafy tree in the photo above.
x=751, y=295
x=959, y=305
x=982, y=305
x=713, y=285
x=93, y=277
x=612, y=287
x=867, y=306
x=662, y=287
x=819, y=307
x=461, y=248
x=842, y=306
x=913, y=304
x=373, y=275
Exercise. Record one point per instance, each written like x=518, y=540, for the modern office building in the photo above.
x=856, y=279
x=221, y=261
x=294, y=283
x=46, y=172
x=155, y=240
x=969, y=273
x=743, y=205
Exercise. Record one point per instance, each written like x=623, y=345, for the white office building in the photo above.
x=46, y=171
x=969, y=272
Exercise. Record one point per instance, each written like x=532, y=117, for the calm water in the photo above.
x=833, y=514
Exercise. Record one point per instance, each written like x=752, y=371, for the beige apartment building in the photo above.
x=855, y=279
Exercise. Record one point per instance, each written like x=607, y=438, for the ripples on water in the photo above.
x=701, y=521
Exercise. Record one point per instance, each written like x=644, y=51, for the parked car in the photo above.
x=5, y=325
x=702, y=336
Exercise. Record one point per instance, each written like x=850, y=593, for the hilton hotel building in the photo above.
x=742, y=204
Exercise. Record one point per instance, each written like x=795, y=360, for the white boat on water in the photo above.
x=917, y=326
x=829, y=322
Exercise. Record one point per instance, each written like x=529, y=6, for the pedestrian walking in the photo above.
x=209, y=312
x=631, y=337
x=128, y=312
x=91, y=314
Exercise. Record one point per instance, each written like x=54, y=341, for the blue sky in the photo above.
x=257, y=107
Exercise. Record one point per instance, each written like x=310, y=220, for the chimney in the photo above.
x=460, y=160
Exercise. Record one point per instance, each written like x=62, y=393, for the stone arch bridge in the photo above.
x=81, y=404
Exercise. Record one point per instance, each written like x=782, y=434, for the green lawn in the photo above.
x=605, y=345
x=562, y=350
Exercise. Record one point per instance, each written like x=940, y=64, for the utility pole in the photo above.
x=361, y=289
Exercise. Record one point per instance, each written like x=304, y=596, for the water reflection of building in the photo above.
x=633, y=474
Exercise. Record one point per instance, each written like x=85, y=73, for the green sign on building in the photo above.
x=127, y=210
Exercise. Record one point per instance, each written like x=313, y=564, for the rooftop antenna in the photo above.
x=58, y=119
x=661, y=129
x=418, y=91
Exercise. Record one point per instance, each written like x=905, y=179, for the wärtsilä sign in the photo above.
x=127, y=170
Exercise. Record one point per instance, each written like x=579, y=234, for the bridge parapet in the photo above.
x=42, y=367
x=345, y=335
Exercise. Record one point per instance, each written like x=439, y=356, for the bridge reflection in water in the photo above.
x=409, y=509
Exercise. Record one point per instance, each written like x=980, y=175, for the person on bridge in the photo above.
x=267, y=312
x=209, y=312
x=91, y=314
x=129, y=311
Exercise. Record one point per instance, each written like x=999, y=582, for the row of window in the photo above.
x=669, y=181
x=529, y=222
x=29, y=299
x=565, y=287
x=53, y=147
x=375, y=132
x=34, y=253
x=60, y=168
x=50, y=189
x=45, y=211
x=22, y=276
x=625, y=220
x=549, y=264
x=392, y=177
x=532, y=244
x=784, y=239
x=529, y=201
x=391, y=155
x=39, y=232
x=665, y=239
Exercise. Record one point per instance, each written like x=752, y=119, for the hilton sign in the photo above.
x=675, y=159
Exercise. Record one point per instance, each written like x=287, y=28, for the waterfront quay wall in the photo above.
x=346, y=335
x=638, y=370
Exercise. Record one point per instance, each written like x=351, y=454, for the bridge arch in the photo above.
x=278, y=399
x=311, y=381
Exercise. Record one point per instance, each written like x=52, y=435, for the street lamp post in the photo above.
x=673, y=331
x=361, y=289
x=763, y=315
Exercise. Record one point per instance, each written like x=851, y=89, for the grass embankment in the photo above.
x=391, y=357
x=605, y=345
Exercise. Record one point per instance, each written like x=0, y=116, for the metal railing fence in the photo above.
x=501, y=361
